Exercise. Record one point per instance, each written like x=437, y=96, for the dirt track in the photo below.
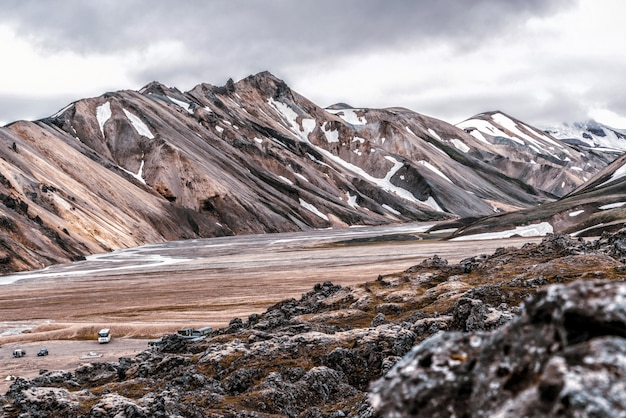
x=158, y=289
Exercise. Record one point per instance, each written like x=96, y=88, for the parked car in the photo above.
x=42, y=352
x=104, y=336
x=19, y=352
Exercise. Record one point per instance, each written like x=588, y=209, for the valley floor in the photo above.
x=146, y=292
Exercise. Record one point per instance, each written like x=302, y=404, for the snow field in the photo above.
x=311, y=208
x=536, y=230
x=182, y=104
x=140, y=127
x=103, y=113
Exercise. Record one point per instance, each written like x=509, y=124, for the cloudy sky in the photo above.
x=542, y=61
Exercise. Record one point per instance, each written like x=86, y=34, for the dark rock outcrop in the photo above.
x=563, y=357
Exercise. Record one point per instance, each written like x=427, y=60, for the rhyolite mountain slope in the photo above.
x=135, y=167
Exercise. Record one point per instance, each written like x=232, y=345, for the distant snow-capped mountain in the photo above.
x=591, y=134
x=525, y=152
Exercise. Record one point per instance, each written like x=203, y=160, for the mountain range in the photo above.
x=134, y=167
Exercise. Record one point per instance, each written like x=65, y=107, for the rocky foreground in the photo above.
x=436, y=340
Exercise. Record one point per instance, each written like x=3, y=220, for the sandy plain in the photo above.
x=145, y=292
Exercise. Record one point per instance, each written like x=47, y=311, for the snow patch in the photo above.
x=612, y=205
x=443, y=231
x=536, y=230
x=312, y=209
x=300, y=176
x=433, y=204
x=617, y=174
x=390, y=209
x=219, y=129
x=460, y=145
x=476, y=134
x=258, y=140
x=285, y=111
x=103, y=113
x=139, y=174
x=352, y=200
x=434, y=170
x=182, y=104
x=383, y=183
x=56, y=115
x=575, y=234
x=286, y=180
x=486, y=128
x=576, y=213
x=433, y=133
x=509, y=124
x=291, y=117
x=140, y=127
x=331, y=136
x=349, y=115
x=308, y=125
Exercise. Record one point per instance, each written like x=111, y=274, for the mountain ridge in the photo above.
x=133, y=167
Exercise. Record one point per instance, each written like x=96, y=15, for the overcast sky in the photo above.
x=542, y=61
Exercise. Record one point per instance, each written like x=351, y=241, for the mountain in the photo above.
x=522, y=151
x=593, y=208
x=591, y=135
x=134, y=167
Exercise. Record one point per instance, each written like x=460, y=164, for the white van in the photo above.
x=104, y=336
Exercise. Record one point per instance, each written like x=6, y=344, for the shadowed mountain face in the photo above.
x=129, y=168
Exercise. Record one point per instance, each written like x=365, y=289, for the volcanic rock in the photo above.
x=564, y=356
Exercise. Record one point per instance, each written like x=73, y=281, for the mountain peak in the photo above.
x=268, y=84
x=155, y=87
x=340, y=106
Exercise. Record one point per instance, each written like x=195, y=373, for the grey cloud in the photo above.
x=237, y=37
x=556, y=107
x=278, y=31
